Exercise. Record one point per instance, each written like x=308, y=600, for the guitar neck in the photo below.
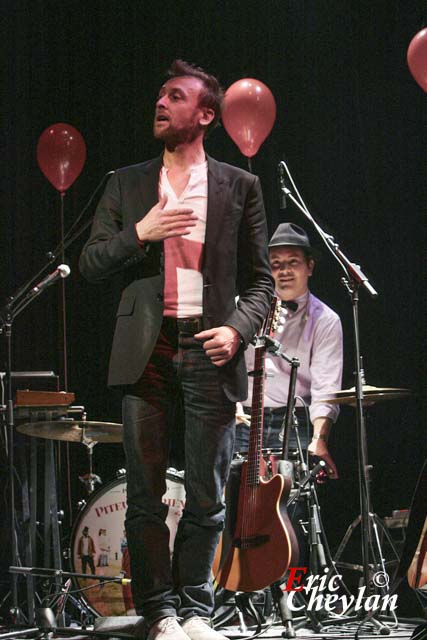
x=257, y=418
x=253, y=466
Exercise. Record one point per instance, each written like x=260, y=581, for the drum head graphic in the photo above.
x=99, y=545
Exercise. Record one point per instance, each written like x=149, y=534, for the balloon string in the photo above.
x=250, y=165
x=63, y=302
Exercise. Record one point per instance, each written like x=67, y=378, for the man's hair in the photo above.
x=308, y=254
x=211, y=96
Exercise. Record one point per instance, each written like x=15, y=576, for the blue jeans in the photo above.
x=179, y=374
x=272, y=431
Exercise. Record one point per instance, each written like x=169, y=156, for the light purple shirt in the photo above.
x=313, y=334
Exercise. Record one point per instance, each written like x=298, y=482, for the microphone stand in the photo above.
x=15, y=304
x=352, y=271
x=354, y=279
x=71, y=235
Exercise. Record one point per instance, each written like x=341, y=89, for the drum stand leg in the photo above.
x=377, y=526
x=51, y=515
x=51, y=540
x=28, y=492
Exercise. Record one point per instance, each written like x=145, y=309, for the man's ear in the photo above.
x=207, y=116
x=310, y=267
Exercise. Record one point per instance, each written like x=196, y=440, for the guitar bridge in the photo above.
x=250, y=542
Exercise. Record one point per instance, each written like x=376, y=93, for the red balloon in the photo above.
x=61, y=155
x=248, y=114
x=417, y=58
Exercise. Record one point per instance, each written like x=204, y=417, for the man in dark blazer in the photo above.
x=189, y=235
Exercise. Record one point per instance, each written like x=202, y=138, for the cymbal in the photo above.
x=74, y=431
x=370, y=395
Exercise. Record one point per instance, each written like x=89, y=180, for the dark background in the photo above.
x=350, y=122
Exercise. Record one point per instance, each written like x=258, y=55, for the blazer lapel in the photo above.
x=216, y=206
x=149, y=183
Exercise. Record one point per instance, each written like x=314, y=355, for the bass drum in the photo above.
x=103, y=518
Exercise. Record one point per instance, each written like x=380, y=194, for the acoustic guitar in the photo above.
x=261, y=543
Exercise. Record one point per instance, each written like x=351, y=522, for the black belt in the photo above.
x=185, y=325
x=268, y=410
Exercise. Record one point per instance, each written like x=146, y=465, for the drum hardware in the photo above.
x=54, y=431
x=89, y=479
x=371, y=395
x=48, y=617
x=104, y=516
x=77, y=409
x=42, y=572
x=52, y=514
x=69, y=430
x=13, y=307
x=377, y=530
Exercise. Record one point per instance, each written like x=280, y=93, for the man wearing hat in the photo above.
x=86, y=550
x=312, y=333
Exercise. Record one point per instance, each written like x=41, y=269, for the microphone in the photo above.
x=320, y=466
x=281, y=185
x=63, y=271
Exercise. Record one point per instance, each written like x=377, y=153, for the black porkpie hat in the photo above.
x=290, y=234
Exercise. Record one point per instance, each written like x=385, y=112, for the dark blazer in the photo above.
x=235, y=263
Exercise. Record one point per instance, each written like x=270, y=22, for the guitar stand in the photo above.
x=317, y=563
x=245, y=604
x=320, y=559
x=230, y=604
x=280, y=599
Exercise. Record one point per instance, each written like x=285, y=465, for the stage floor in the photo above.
x=115, y=627
x=400, y=630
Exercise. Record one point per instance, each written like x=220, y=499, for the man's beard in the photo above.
x=174, y=137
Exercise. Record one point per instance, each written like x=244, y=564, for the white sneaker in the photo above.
x=167, y=629
x=198, y=628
